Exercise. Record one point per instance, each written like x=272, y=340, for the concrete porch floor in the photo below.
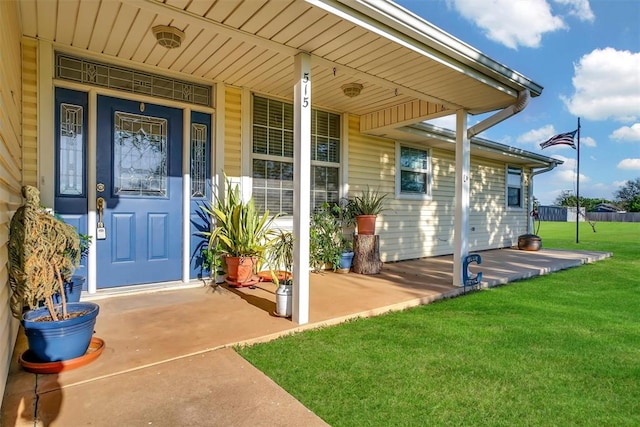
x=168, y=361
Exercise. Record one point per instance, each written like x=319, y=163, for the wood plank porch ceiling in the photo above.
x=251, y=43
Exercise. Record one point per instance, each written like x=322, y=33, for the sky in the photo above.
x=586, y=55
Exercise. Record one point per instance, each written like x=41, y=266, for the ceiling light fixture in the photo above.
x=169, y=37
x=352, y=89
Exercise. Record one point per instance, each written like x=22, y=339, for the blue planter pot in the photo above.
x=72, y=290
x=64, y=339
x=345, y=260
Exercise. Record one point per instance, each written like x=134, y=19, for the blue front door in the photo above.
x=139, y=176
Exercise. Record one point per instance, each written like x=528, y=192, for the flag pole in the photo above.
x=578, y=188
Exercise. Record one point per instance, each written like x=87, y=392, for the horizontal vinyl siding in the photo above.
x=10, y=167
x=495, y=225
x=422, y=228
x=408, y=228
x=233, y=132
x=29, y=112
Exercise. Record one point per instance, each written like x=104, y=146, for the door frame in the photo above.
x=46, y=153
x=144, y=262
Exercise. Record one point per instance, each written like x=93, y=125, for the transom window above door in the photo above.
x=272, y=156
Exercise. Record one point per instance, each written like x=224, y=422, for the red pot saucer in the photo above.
x=30, y=364
x=251, y=282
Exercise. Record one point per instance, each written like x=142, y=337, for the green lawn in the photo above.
x=558, y=350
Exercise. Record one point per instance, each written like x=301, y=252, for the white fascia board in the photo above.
x=442, y=134
x=407, y=29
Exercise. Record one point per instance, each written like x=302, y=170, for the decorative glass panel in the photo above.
x=71, y=150
x=198, y=160
x=140, y=155
x=99, y=74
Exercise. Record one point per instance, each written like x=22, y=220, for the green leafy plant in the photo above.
x=212, y=258
x=369, y=202
x=326, y=238
x=280, y=255
x=239, y=228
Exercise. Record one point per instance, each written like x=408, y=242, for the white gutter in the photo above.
x=521, y=102
x=549, y=168
x=396, y=23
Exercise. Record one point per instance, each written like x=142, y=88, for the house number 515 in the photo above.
x=305, y=90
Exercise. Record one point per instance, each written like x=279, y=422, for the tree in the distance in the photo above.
x=567, y=198
x=628, y=196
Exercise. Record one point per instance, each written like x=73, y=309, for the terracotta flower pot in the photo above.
x=366, y=224
x=240, y=269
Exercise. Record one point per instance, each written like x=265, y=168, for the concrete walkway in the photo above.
x=168, y=361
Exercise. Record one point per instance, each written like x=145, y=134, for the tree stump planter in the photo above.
x=366, y=259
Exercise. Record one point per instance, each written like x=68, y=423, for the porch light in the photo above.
x=169, y=37
x=352, y=89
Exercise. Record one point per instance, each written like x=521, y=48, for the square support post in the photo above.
x=462, y=184
x=301, y=185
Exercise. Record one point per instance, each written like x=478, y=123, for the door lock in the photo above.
x=101, y=232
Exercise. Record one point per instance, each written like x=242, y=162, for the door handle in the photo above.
x=101, y=232
x=100, y=207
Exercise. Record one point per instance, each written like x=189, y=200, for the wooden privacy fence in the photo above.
x=613, y=216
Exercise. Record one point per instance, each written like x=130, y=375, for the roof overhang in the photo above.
x=398, y=57
x=445, y=139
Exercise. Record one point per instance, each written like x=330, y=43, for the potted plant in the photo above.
x=325, y=240
x=346, y=257
x=242, y=233
x=365, y=208
x=213, y=262
x=280, y=258
x=43, y=254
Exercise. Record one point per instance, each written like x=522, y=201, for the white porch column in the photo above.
x=461, y=223
x=92, y=193
x=186, y=193
x=302, y=184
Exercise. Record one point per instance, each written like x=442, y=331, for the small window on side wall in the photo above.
x=413, y=172
x=514, y=187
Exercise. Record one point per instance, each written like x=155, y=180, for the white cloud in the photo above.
x=588, y=142
x=512, y=23
x=446, y=122
x=627, y=133
x=579, y=8
x=537, y=136
x=629, y=164
x=606, y=85
x=566, y=172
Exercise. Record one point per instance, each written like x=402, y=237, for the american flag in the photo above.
x=562, y=138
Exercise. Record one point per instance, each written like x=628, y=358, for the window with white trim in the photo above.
x=272, y=156
x=514, y=187
x=413, y=177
